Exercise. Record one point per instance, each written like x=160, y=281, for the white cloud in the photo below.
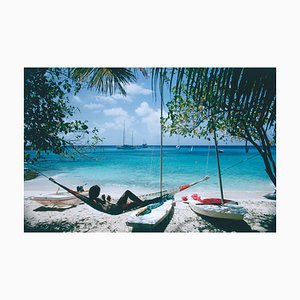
x=112, y=99
x=135, y=89
x=111, y=125
x=121, y=97
x=144, y=110
x=77, y=99
x=132, y=90
x=150, y=117
x=105, y=99
x=116, y=112
x=93, y=105
x=118, y=116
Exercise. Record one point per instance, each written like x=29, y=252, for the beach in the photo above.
x=260, y=216
x=114, y=170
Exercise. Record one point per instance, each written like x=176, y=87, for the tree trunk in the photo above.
x=265, y=154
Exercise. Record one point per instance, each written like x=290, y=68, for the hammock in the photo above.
x=148, y=199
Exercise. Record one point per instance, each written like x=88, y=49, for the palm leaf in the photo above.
x=105, y=80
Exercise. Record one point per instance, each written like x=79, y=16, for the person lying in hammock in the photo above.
x=104, y=203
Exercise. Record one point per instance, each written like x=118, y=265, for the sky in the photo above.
x=139, y=110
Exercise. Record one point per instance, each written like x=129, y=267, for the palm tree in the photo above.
x=105, y=80
x=242, y=101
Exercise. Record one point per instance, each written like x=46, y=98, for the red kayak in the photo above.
x=215, y=201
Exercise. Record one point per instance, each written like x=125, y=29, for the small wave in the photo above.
x=59, y=175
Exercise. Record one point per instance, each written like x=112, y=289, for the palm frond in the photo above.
x=105, y=80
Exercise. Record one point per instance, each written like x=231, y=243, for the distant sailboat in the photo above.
x=125, y=146
x=178, y=144
x=144, y=145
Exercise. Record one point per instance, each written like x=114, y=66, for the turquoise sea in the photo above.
x=138, y=169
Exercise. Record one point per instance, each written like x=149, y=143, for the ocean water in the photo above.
x=138, y=169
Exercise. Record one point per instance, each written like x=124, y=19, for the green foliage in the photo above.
x=30, y=174
x=236, y=102
x=236, y=98
x=104, y=80
x=47, y=113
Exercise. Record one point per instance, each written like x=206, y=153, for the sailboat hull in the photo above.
x=157, y=215
x=151, y=220
x=59, y=200
x=126, y=147
x=226, y=211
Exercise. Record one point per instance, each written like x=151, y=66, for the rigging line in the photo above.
x=152, y=160
x=207, y=159
x=242, y=161
x=184, y=174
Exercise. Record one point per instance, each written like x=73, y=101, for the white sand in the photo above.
x=261, y=215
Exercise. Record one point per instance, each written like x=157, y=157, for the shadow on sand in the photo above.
x=48, y=208
x=229, y=225
x=161, y=227
x=57, y=226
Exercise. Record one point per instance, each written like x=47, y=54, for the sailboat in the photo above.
x=178, y=144
x=126, y=146
x=227, y=209
x=60, y=199
x=144, y=145
x=151, y=216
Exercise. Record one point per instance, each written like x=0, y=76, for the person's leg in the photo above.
x=128, y=194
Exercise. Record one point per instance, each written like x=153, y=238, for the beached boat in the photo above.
x=211, y=207
x=138, y=220
x=271, y=196
x=197, y=200
x=223, y=208
x=226, y=211
x=59, y=199
x=154, y=216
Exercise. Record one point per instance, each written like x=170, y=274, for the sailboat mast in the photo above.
x=219, y=169
x=124, y=134
x=132, y=138
x=161, y=143
x=217, y=156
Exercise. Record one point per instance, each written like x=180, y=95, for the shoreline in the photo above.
x=261, y=215
x=41, y=185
